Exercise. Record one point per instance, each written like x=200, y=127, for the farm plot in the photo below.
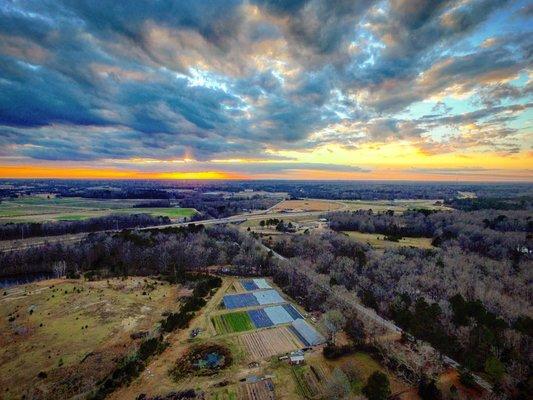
x=261, y=297
x=292, y=311
x=307, y=383
x=240, y=300
x=260, y=318
x=232, y=322
x=261, y=390
x=255, y=284
x=269, y=342
x=268, y=297
x=278, y=315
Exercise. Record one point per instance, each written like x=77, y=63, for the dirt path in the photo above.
x=155, y=380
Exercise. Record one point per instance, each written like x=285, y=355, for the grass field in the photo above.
x=232, y=322
x=72, y=329
x=395, y=205
x=307, y=205
x=39, y=209
x=378, y=242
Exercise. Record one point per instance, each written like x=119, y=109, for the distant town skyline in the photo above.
x=318, y=89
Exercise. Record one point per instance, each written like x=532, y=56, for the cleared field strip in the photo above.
x=310, y=380
x=269, y=342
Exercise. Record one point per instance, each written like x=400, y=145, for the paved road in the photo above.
x=253, y=216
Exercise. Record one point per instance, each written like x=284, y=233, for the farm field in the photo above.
x=395, y=205
x=232, y=322
x=308, y=205
x=377, y=241
x=266, y=343
x=40, y=209
x=72, y=330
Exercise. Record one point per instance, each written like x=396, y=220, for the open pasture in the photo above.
x=41, y=209
x=307, y=205
x=266, y=343
x=378, y=242
x=72, y=331
x=394, y=205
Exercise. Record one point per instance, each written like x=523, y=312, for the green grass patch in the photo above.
x=232, y=322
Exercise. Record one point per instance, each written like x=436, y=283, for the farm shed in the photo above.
x=268, y=297
x=296, y=357
x=307, y=333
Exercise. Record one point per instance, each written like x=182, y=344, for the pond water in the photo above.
x=210, y=360
x=23, y=279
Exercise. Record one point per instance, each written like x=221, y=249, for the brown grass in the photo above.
x=307, y=205
x=86, y=327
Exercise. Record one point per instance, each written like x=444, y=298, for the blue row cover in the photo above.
x=240, y=300
x=260, y=318
x=268, y=297
x=278, y=315
x=262, y=283
x=249, y=285
x=292, y=311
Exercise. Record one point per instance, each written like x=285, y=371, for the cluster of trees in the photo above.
x=217, y=206
x=499, y=235
x=166, y=252
x=22, y=230
x=471, y=307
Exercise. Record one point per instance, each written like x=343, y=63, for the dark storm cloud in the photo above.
x=88, y=80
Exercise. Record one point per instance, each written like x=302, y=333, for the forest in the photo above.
x=470, y=297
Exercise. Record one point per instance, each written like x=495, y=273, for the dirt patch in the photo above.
x=307, y=205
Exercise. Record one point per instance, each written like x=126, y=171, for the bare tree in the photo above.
x=60, y=269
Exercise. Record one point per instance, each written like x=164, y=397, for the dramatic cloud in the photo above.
x=270, y=83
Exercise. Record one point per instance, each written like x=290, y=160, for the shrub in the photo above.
x=377, y=387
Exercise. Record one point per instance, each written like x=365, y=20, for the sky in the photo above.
x=230, y=89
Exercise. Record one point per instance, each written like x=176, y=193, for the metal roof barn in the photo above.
x=307, y=333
